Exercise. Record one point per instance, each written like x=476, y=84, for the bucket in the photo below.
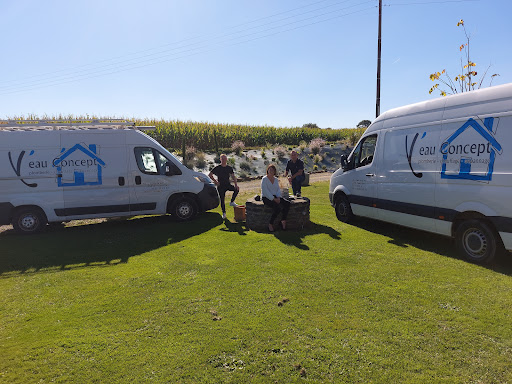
x=239, y=212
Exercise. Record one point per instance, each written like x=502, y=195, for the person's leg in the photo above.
x=235, y=192
x=285, y=204
x=275, y=209
x=297, y=183
x=222, y=195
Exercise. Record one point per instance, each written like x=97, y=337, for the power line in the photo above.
x=164, y=55
x=95, y=67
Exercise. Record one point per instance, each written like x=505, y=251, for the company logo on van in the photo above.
x=86, y=170
x=469, y=153
x=79, y=165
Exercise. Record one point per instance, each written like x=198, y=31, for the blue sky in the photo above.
x=280, y=62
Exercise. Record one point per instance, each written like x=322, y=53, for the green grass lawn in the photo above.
x=152, y=300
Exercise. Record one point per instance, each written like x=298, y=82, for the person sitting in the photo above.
x=271, y=196
x=296, y=168
x=224, y=172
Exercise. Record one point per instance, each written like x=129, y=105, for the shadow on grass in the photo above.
x=296, y=237
x=431, y=242
x=94, y=245
x=238, y=227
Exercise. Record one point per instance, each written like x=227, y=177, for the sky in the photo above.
x=280, y=63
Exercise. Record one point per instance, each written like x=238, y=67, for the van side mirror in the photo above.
x=344, y=163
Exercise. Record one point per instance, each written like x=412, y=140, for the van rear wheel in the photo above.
x=28, y=220
x=343, y=209
x=477, y=242
x=184, y=209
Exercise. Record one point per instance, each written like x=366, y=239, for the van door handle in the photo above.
x=370, y=174
x=138, y=180
x=121, y=180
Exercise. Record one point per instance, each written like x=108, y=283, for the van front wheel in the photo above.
x=343, y=209
x=476, y=241
x=184, y=209
x=28, y=220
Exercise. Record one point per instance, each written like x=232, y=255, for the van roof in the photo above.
x=83, y=124
x=422, y=111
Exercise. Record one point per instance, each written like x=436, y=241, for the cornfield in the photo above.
x=204, y=136
x=208, y=136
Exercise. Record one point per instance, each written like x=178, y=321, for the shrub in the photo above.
x=315, y=167
x=190, y=153
x=238, y=146
x=316, y=144
x=317, y=159
x=231, y=162
x=324, y=167
x=200, y=160
x=263, y=154
x=310, y=155
x=280, y=152
x=303, y=145
x=333, y=160
x=245, y=166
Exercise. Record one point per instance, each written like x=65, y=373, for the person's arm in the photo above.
x=215, y=181
x=233, y=177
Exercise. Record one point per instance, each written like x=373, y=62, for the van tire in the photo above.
x=343, y=209
x=28, y=220
x=477, y=242
x=184, y=209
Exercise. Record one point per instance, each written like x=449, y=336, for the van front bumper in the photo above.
x=209, y=197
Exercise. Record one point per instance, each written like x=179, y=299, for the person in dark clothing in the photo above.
x=224, y=172
x=296, y=168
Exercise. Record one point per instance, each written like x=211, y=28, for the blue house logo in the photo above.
x=473, y=160
x=85, y=165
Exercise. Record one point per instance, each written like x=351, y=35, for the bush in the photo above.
x=231, y=162
x=238, y=147
x=190, y=153
x=280, y=152
x=200, y=160
x=324, y=167
x=317, y=159
x=315, y=167
x=316, y=144
x=263, y=154
x=245, y=166
x=303, y=145
x=333, y=160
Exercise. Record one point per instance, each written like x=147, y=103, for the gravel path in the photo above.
x=245, y=186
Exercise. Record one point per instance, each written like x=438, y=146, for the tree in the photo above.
x=364, y=124
x=466, y=80
x=310, y=125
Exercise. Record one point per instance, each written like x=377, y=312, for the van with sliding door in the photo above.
x=443, y=166
x=56, y=171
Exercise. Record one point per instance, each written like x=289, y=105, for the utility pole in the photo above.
x=377, y=104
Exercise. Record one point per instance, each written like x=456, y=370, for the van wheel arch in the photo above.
x=28, y=219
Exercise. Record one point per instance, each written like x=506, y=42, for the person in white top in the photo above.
x=271, y=196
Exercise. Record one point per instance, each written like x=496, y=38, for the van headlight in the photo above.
x=203, y=179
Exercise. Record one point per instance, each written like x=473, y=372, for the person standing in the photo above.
x=271, y=194
x=296, y=168
x=224, y=172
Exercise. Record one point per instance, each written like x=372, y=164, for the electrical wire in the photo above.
x=94, y=68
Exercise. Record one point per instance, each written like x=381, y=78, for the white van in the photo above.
x=55, y=171
x=443, y=166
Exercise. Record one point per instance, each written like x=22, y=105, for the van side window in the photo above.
x=152, y=162
x=363, y=154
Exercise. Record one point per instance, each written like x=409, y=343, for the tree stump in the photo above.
x=258, y=214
